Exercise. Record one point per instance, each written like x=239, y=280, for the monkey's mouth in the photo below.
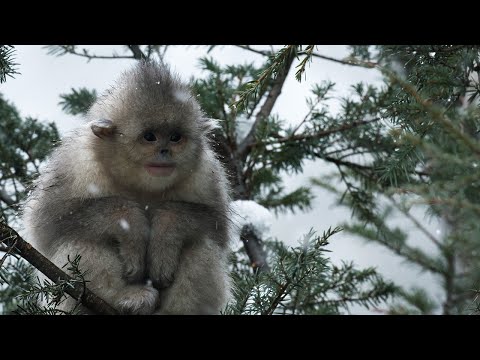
x=160, y=169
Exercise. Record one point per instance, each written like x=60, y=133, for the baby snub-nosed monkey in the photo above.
x=139, y=193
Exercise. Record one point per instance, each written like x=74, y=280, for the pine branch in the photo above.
x=78, y=101
x=414, y=255
x=343, y=62
x=7, y=199
x=416, y=297
x=449, y=278
x=308, y=58
x=356, y=166
x=254, y=248
x=80, y=293
x=161, y=55
x=344, y=163
x=266, y=108
x=7, y=66
x=309, y=113
x=417, y=223
x=317, y=135
x=314, y=54
x=436, y=113
x=137, y=53
x=321, y=134
x=282, y=293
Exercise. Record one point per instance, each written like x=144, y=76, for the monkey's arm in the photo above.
x=163, y=254
x=110, y=221
x=187, y=258
x=174, y=225
x=111, y=235
x=201, y=284
x=104, y=276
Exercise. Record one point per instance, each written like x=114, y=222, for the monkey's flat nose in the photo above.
x=164, y=151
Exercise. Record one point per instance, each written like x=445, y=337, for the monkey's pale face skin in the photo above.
x=155, y=159
x=162, y=151
x=160, y=169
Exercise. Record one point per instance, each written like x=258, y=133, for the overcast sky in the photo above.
x=43, y=77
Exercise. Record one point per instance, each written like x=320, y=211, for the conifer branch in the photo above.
x=7, y=199
x=60, y=50
x=349, y=62
x=254, y=248
x=137, y=52
x=16, y=244
x=267, y=106
x=321, y=134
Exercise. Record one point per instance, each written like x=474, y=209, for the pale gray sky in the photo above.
x=43, y=77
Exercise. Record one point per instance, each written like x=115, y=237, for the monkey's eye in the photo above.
x=175, y=137
x=149, y=136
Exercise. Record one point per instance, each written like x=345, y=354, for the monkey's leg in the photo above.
x=201, y=284
x=105, y=278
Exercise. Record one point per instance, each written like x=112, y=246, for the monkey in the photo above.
x=139, y=193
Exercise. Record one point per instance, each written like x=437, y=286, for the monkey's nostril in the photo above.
x=164, y=151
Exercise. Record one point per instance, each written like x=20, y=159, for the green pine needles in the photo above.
x=303, y=281
x=7, y=65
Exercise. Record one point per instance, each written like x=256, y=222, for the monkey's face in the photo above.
x=167, y=152
x=150, y=155
x=155, y=133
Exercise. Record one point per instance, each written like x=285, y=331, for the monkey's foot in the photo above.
x=162, y=273
x=137, y=300
x=133, y=263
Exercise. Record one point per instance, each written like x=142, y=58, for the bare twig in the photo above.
x=67, y=49
x=310, y=111
x=260, y=52
x=161, y=55
x=344, y=62
x=29, y=253
x=7, y=252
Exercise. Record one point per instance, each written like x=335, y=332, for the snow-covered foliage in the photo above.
x=249, y=212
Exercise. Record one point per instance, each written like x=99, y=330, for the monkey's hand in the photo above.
x=165, y=245
x=130, y=232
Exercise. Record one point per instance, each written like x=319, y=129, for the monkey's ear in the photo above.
x=210, y=124
x=103, y=128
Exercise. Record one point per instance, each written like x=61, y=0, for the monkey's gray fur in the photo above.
x=139, y=193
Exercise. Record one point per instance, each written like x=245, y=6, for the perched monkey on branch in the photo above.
x=139, y=194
